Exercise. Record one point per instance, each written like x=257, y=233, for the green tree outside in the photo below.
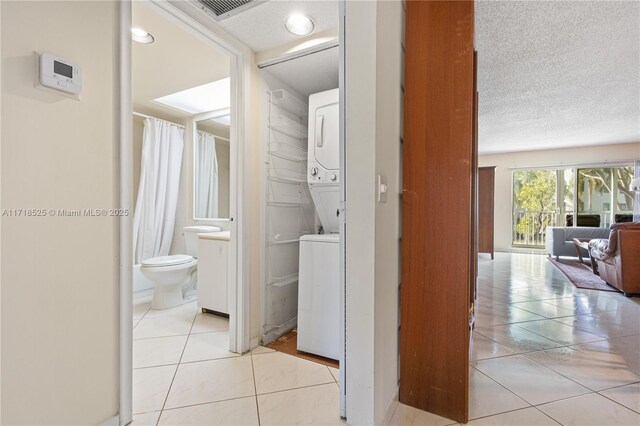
x=535, y=193
x=603, y=181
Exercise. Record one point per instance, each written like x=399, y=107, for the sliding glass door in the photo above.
x=597, y=197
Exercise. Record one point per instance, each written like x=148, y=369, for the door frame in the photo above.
x=343, y=203
x=191, y=19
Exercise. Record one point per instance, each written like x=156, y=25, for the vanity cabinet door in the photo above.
x=212, y=275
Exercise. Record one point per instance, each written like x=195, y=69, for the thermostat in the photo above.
x=60, y=74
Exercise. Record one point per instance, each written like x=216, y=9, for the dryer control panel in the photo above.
x=320, y=175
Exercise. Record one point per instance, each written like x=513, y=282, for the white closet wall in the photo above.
x=289, y=211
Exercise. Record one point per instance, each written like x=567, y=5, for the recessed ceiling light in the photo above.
x=141, y=36
x=299, y=24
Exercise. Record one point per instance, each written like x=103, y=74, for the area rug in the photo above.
x=580, y=276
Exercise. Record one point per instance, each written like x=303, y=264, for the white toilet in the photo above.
x=175, y=276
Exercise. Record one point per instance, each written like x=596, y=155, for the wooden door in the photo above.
x=437, y=224
x=486, y=185
x=473, y=249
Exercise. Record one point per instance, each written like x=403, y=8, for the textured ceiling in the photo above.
x=262, y=27
x=176, y=61
x=557, y=74
x=309, y=74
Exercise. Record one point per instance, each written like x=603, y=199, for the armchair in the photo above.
x=618, y=258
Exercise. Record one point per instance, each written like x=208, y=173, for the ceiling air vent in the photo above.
x=222, y=9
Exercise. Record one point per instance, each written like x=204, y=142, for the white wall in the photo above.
x=59, y=274
x=551, y=157
x=373, y=91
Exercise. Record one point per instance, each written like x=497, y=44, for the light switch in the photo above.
x=382, y=189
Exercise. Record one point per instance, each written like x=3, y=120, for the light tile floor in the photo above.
x=184, y=375
x=545, y=352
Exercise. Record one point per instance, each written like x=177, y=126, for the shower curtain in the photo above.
x=155, y=212
x=206, y=173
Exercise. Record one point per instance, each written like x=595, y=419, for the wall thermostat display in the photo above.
x=60, y=74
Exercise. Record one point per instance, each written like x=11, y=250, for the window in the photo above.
x=552, y=197
x=604, y=193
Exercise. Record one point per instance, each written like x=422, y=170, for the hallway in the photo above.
x=543, y=353
x=547, y=353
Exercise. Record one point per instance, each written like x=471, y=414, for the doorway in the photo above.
x=172, y=105
x=244, y=298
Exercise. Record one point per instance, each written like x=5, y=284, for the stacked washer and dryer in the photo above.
x=319, y=280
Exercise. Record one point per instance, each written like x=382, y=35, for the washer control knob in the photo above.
x=334, y=177
x=314, y=171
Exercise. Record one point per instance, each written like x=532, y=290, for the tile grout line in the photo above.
x=562, y=343
x=591, y=391
x=547, y=368
x=602, y=338
x=180, y=362
x=197, y=404
x=616, y=402
x=545, y=414
x=334, y=378
x=298, y=388
x=255, y=386
x=505, y=388
x=569, y=378
x=175, y=373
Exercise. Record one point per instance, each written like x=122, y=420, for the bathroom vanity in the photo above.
x=213, y=260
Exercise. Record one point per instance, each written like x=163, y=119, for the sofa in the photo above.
x=618, y=257
x=560, y=239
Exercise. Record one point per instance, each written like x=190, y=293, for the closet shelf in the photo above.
x=289, y=149
x=299, y=197
x=285, y=203
x=286, y=180
x=277, y=239
x=287, y=101
x=288, y=127
x=287, y=156
x=282, y=281
x=286, y=176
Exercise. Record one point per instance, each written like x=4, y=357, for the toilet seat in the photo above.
x=163, y=261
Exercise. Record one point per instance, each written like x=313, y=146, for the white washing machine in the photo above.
x=319, y=276
x=319, y=295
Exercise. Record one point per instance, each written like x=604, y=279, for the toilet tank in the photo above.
x=191, y=237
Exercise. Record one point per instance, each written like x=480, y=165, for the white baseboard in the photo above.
x=113, y=421
x=391, y=407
